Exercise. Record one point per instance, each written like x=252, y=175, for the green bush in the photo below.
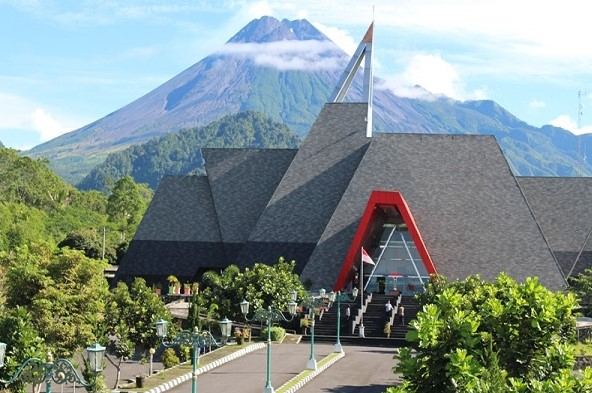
x=277, y=332
x=170, y=358
x=185, y=351
x=501, y=336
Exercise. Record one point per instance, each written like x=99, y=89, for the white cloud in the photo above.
x=45, y=124
x=17, y=113
x=567, y=123
x=257, y=9
x=434, y=75
x=289, y=55
x=536, y=104
x=339, y=36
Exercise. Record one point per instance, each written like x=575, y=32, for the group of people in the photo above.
x=388, y=308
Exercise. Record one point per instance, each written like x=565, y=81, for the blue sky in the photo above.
x=67, y=63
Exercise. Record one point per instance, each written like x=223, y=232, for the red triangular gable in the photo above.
x=377, y=199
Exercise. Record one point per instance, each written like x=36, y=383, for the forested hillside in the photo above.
x=180, y=153
x=38, y=208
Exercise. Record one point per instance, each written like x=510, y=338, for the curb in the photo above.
x=310, y=376
x=172, y=383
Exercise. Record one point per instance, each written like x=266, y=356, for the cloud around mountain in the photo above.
x=286, y=55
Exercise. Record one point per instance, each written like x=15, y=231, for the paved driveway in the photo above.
x=247, y=374
x=362, y=370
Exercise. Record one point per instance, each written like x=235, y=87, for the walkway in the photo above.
x=365, y=369
x=362, y=370
x=247, y=374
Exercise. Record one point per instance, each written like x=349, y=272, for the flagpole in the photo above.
x=361, y=332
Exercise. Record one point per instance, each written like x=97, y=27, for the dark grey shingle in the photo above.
x=242, y=182
x=317, y=177
x=465, y=201
x=182, y=210
x=561, y=205
x=178, y=234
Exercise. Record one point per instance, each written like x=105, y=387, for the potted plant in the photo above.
x=247, y=333
x=238, y=335
x=187, y=289
x=173, y=282
x=158, y=288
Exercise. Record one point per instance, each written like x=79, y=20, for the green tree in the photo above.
x=127, y=203
x=90, y=242
x=23, y=341
x=475, y=336
x=31, y=182
x=63, y=289
x=262, y=285
x=581, y=287
x=132, y=313
x=21, y=225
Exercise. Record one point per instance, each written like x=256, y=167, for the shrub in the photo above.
x=277, y=332
x=501, y=336
x=170, y=358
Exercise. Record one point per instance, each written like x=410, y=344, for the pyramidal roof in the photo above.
x=307, y=205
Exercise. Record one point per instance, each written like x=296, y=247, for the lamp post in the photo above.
x=195, y=339
x=268, y=315
x=339, y=297
x=311, y=303
x=60, y=371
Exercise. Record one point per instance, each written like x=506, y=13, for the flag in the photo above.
x=366, y=258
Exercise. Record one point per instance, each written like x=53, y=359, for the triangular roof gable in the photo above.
x=380, y=199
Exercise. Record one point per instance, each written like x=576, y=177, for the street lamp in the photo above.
x=339, y=297
x=194, y=339
x=311, y=303
x=60, y=371
x=269, y=315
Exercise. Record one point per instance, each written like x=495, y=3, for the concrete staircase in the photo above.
x=374, y=321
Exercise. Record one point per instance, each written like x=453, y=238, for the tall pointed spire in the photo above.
x=364, y=51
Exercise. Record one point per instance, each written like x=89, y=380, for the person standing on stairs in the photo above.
x=388, y=308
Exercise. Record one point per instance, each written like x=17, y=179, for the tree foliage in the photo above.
x=179, y=153
x=17, y=331
x=132, y=313
x=63, y=289
x=31, y=182
x=473, y=335
x=581, y=287
x=262, y=285
x=127, y=203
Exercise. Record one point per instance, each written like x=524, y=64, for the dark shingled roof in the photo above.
x=242, y=182
x=178, y=234
x=256, y=205
x=305, y=199
x=562, y=208
x=466, y=203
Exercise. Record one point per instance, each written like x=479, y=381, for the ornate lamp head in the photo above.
x=96, y=352
x=244, y=305
x=161, y=328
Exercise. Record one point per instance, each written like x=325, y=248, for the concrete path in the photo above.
x=362, y=370
x=247, y=374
